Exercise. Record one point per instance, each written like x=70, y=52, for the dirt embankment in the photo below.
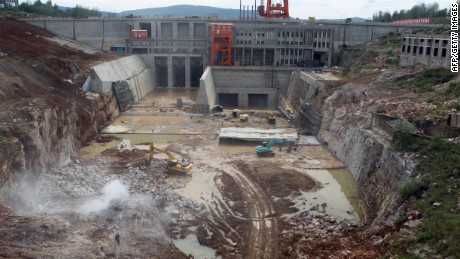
x=43, y=113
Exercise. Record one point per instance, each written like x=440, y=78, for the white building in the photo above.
x=12, y=3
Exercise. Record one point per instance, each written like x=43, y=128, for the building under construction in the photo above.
x=190, y=45
x=178, y=50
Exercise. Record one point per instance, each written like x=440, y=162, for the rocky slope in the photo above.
x=44, y=115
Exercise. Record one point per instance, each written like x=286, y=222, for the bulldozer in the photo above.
x=183, y=166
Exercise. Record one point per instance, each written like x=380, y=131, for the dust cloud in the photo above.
x=113, y=194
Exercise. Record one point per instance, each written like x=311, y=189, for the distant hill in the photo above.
x=200, y=11
x=183, y=11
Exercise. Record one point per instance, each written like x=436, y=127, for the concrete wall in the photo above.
x=242, y=81
x=430, y=50
x=252, y=80
x=103, y=32
x=98, y=33
x=252, y=77
x=206, y=97
x=130, y=69
x=363, y=32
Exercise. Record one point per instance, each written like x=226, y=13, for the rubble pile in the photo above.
x=316, y=234
x=55, y=204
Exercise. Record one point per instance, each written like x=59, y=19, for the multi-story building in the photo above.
x=181, y=46
x=430, y=50
x=256, y=43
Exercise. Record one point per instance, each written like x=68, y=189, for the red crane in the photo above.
x=274, y=10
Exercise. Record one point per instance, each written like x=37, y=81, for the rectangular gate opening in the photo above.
x=179, y=71
x=258, y=100
x=196, y=70
x=161, y=72
x=228, y=100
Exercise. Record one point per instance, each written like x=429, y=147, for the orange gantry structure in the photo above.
x=221, y=44
x=274, y=10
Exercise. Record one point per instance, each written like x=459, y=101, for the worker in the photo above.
x=117, y=238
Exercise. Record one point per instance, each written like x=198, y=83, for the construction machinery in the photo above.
x=244, y=117
x=183, y=166
x=271, y=119
x=274, y=10
x=265, y=149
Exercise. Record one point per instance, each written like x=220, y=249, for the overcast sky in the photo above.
x=297, y=8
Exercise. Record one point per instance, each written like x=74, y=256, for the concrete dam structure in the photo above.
x=178, y=50
x=130, y=78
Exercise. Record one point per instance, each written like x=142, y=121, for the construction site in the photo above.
x=204, y=139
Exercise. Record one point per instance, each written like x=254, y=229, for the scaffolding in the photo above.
x=221, y=44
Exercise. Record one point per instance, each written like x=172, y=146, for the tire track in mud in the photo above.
x=264, y=235
x=262, y=241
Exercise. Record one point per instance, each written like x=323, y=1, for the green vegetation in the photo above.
x=397, y=248
x=381, y=109
x=7, y=147
x=411, y=187
x=405, y=139
x=424, y=81
x=453, y=89
x=455, y=106
x=438, y=181
x=48, y=9
x=417, y=11
x=364, y=59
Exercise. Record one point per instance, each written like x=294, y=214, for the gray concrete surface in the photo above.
x=131, y=69
x=206, y=97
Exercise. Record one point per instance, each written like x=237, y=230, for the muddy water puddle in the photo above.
x=149, y=124
x=349, y=188
x=338, y=194
x=167, y=97
x=95, y=148
x=199, y=186
x=229, y=148
x=190, y=245
x=202, y=188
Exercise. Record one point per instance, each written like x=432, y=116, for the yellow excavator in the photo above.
x=173, y=164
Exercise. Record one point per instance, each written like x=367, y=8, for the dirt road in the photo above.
x=263, y=241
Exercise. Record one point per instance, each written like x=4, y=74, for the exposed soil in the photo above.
x=246, y=222
x=241, y=212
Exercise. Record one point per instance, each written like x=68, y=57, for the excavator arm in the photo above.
x=173, y=164
x=266, y=147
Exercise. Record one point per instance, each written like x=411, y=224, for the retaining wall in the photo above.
x=206, y=97
x=131, y=69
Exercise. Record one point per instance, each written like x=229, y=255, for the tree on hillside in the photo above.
x=417, y=11
x=48, y=9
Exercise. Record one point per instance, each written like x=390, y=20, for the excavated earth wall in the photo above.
x=365, y=149
x=53, y=135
